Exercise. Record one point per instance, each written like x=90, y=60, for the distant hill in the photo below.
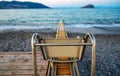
x=88, y=6
x=20, y=5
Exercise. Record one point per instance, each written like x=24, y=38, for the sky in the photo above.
x=76, y=3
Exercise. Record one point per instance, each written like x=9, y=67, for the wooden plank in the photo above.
x=42, y=62
x=12, y=72
x=24, y=59
x=61, y=33
x=18, y=56
x=20, y=64
x=21, y=61
x=63, y=71
x=62, y=67
x=15, y=53
x=23, y=75
x=5, y=68
x=38, y=55
x=18, y=59
x=19, y=53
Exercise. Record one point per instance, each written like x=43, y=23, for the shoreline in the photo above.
x=94, y=30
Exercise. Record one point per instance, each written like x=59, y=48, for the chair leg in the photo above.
x=55, y=69
x=76, y=69
x=72, y=69
x=51, y=71
x=48, y=70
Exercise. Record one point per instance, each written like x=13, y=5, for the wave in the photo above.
x=54, y=27
x=93, y=25
x=24, y=27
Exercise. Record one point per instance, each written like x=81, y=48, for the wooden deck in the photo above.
x=20, y=64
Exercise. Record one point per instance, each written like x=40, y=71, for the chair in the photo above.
x=63, y=52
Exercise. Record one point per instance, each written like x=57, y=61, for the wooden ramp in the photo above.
x=63, y=68
x=20, y=64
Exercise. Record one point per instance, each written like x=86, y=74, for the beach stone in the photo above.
x=107, y=50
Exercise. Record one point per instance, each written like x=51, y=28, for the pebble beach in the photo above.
x=107, y=46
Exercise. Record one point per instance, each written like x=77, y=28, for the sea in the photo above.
x=49, y=18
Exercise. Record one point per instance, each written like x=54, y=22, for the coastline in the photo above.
x=94, y=30
x=107, y=46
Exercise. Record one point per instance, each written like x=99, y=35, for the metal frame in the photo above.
x=37, y=41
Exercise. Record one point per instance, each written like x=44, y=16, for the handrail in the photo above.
x=34, y=60
x=34, y=37
x=91, y=36
x=93, y=41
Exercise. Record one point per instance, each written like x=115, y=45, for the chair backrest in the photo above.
x=63, y=51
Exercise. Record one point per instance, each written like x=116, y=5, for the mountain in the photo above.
x=88, y=6
x=20, y=5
